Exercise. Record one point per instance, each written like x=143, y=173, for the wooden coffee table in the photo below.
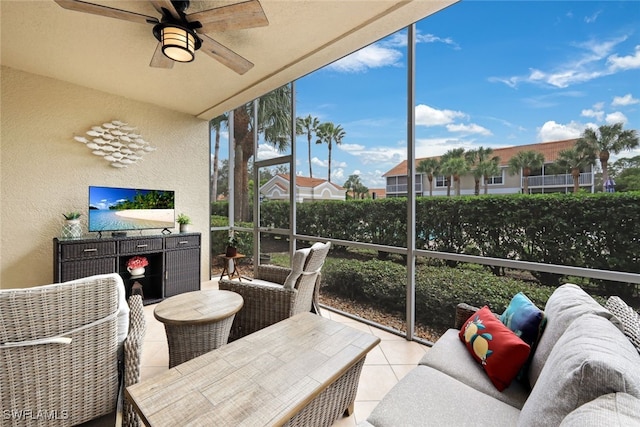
x=197, y=322
x=301, y=371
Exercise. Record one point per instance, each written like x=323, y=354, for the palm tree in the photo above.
x=216, y=126
x=429, y=167
x=274, y=123
x=329, y=133
x=574, y=160
x=307, y=126
x=525, y=162
x=453, y=164
x=350, y=185
x=478, y=161
x=489, y=168
x=605, y=140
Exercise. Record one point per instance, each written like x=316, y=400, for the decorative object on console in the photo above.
x=72, y=228
x=184, y=222
x=117, y=143
x=136, y=265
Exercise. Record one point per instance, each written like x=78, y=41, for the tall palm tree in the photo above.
x=478, y=160
x=328, y=133
x=605, y=140
x=215, y=125
x=429, y=167
x=274, y=123
x=453, y=164
x=489, y=168
x=307, y=126
x=525, y=162
x=574, y=160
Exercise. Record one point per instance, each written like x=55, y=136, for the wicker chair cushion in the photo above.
x=307, y=261
x=297, y=267
x=629, y=318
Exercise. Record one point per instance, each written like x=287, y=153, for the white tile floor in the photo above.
x=384, y=366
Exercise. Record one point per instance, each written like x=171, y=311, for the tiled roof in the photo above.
x=550, y=150
x=304, y=181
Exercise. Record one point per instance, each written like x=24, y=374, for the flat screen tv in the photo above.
x=129, y=209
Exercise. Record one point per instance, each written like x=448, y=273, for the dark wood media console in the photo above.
x=174, y=262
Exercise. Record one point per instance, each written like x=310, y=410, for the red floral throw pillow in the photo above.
x=500, y=352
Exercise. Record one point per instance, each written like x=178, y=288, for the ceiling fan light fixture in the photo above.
x=178, y=43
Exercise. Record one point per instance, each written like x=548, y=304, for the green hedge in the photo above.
x=438, y=289
x=600, y=231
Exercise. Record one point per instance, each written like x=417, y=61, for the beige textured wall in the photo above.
x=44, y=172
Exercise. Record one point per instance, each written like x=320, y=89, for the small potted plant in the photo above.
x=232, y=245
x=72, y=227
x=184, y=222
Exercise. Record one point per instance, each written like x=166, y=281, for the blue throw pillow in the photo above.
x=524, y=319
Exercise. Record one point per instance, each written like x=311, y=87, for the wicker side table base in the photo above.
x=189, y=341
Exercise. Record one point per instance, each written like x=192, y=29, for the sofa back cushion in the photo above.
x=611, y=410
x=566, y=304
x=591, y=358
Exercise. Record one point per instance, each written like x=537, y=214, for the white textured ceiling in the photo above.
x=113, y=56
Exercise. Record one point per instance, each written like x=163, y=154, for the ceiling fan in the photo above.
x=179, y=34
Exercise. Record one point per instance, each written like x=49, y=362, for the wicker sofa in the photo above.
x=584, y=372
x=62, y=347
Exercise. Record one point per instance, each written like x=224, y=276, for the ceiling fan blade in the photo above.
x=165, y=4
x=110, y=12
x=159, y=59
x=224, y=55
x=248, y=14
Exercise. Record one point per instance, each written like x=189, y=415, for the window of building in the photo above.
x=495, y=180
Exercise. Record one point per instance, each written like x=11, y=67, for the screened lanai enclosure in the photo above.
x=287, y=172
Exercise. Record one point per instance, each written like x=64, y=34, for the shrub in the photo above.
x=438, y=289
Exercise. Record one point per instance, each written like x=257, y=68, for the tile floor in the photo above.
x=384, y=366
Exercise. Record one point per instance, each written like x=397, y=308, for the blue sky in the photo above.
x=491, y=74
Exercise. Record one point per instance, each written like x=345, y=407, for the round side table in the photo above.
x=197, y=322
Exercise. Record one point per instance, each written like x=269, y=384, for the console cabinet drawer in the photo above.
x=140, y=246
x=182, y=242
x=87, y=250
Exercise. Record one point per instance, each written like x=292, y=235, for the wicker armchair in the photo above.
x=59, y=351
x=276, y=293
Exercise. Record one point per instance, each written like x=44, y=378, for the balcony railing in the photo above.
x=565, y=180
x=402, y=188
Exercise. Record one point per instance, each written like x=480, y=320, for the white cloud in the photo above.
x=430, y=38
x=616, y=117
x=468, y=129
x=337, y=175
x=429, y=116
x=267, y=151
x=375, y=155
x=372, y=56
x=617, y=63
x=628, y=99
x=322, y=163
x=597, y=114
x=431, y=147
x=592, y=18
x=385, y=53
x=552, y=131
x=594, y=59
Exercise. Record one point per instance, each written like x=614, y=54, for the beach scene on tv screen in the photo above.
x=116, y=209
